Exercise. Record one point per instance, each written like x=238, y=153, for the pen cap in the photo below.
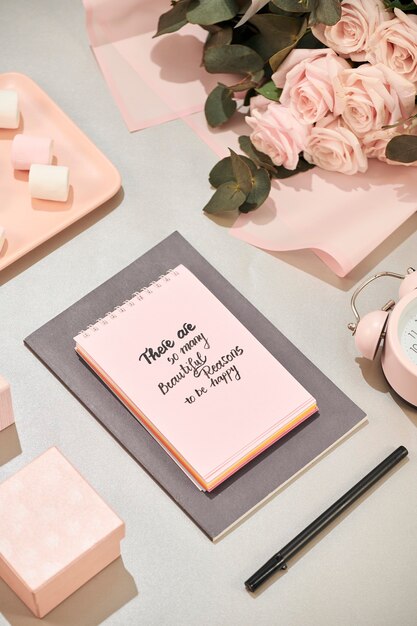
x=264, y=572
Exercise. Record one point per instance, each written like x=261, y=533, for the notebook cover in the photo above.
x=218, y=511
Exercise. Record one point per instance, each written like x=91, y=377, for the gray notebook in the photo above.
x=216, y=512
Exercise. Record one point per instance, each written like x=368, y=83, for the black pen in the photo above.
x=279, y=560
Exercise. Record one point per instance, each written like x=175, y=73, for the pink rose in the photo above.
x=350, y=36
x=371, y=96
x=277, y=133
x=335, y=148
x=394, y=43
x=306, y=77
x=259, y=103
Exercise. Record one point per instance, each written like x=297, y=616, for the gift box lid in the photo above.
x=50, y=517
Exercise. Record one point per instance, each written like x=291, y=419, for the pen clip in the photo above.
x=281, y=564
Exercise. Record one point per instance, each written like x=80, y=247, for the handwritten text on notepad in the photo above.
x=218, y=372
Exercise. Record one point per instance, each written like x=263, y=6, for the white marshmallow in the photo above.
x=49, y=182
x=9, y=108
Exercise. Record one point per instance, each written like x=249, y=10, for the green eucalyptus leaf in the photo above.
x=259, y=158
x=276, y=32
x=272, y=8
x=277, y=58
x=270, y=91
x=205, y=12
x=303, y=165
x=397, y=4
x=219, y=106
x=247, y=207
x=241, y=173
x=309, y=41
x=326, y=12
x=258, y=76
x=219, y=37
x=249, y=94
x=260, y=191
x=233, y=59
x=293, y=6
x=227, y=197
x=174, y=19
x=222, y=172
x=242, y=86
x=402, y=148
x=249, y=163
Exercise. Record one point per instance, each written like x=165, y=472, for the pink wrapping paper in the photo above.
x=152, y=80
x=341, y=218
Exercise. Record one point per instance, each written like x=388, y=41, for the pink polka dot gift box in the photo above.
x=55, y=532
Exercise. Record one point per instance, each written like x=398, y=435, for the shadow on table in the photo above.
x=9, y=444
x=99, y=598
x=61, y=238
x=409, y=410
x=373, y=374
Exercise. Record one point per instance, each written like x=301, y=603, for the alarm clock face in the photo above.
x=408, y=330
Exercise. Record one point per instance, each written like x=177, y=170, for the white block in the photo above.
x=9, y=109
x=49, y=182
x=6, y=407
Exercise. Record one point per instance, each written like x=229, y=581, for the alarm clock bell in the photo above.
x=395, y=328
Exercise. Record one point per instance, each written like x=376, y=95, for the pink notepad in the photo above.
x=195, y=377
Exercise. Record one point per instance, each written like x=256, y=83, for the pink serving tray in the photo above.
x=93, y=179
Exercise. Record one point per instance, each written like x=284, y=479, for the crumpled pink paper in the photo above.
x=152, y=80
x=341, y=218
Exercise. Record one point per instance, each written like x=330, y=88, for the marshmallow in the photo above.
x=2, y=237
x=27, y=150
x=9, y=109
x=49, y=182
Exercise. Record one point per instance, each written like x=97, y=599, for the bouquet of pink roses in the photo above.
x=344, y=92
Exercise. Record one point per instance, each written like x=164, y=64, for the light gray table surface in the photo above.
x=361, y=572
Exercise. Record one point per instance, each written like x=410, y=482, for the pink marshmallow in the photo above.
x=27, y=150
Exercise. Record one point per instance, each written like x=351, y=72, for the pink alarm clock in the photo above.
x=394, y=326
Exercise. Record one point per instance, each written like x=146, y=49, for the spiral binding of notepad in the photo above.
x=136, y=297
